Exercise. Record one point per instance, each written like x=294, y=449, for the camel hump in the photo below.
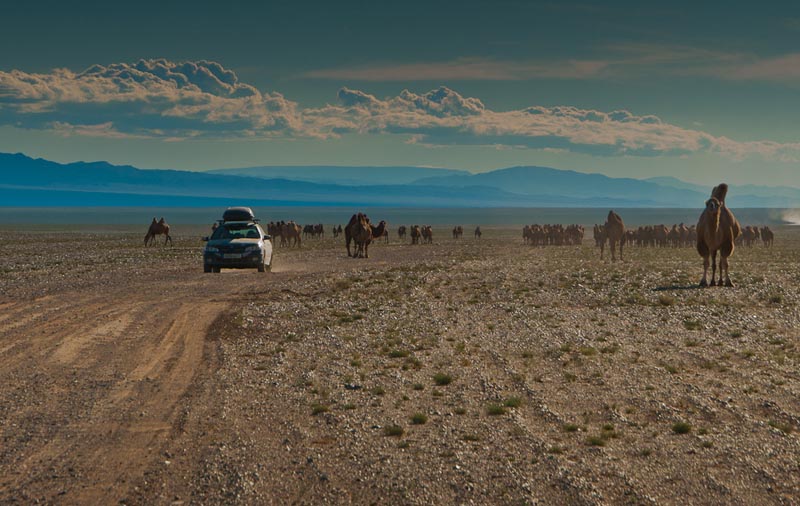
x=720, y=192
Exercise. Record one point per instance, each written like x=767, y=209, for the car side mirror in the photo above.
x=205, y=239
x=267, y=237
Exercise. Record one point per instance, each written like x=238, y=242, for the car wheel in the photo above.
x=206, y=268
x=215, y=270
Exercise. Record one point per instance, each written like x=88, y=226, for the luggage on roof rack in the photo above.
x=238, y=214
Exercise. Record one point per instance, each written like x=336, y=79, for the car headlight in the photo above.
x=252, y=249
x=212, y=249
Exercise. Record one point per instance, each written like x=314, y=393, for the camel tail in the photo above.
x=720, y=192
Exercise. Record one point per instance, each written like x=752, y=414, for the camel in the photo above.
x=157, y=228
x=427, y=234
x=401, y=232
x=380, y=231
x=416, y=233
x=361, y=233
x=717, y=230
x=615, y=231
x=478, y=232
x=767, y=236
x=292, y=234
x=458, y=231
x=350, y=230
x=599, y=234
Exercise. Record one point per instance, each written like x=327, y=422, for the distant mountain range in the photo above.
x=349, y=176
x=25, y=181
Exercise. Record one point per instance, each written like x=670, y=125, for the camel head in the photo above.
x=713, y=205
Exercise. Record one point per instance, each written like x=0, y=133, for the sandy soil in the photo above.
x=483, y=372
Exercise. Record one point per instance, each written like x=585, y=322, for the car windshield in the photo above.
x=236, y=231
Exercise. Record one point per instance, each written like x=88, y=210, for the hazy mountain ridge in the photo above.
x=332, y=174
x=37, y=182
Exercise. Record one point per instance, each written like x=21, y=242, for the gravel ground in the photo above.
x=485, y=372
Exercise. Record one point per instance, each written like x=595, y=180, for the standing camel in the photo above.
x=157, y=228
x=416, y=233
x=478, y=232
x=717, y=230
x=615, y=231
x=351, y=229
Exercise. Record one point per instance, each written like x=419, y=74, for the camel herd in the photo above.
x=288, y=233
x=552, y=235
x=717, y=232
x=751, y=235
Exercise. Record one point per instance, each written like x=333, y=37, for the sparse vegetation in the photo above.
x=495, y=410
x=692, y=325
x=681, y=428
x=442, y=379
x=393, y=431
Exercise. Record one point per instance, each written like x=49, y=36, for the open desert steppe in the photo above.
x=462, y=372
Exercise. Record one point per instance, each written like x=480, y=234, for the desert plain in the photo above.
x=463, y=372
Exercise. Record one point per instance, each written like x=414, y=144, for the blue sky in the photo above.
x=702, y=93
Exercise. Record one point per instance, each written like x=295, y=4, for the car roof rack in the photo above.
x=238, y=214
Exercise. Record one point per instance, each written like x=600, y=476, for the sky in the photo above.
x=705, y=93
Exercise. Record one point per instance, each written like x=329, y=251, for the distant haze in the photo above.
x=36, y=182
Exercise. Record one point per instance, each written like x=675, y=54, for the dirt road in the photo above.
x=96, y=382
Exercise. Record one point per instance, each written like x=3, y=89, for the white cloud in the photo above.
x=444, y=117
x=173, y=101
x=151, y=97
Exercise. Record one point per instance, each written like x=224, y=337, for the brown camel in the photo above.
x=427, y=234
x=478, y=233
x=717, y=230
x=292, y=233
x=416, y=233
x=157, y=228
x=767, y=236
x=599, y=234
x=615, y=231
x=380, y=231
x=361, y=234
x=401, y=232
x=350, y=229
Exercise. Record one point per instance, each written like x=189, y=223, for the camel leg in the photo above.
x=366, y=250
x=613, y=251
x=704, y=281
x=714, y=269
x=723, y=265
x=620, y=250
x=602, y=247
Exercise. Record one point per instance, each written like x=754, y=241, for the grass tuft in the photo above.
x=495, y=410
x=393, y=431
x=442, y=379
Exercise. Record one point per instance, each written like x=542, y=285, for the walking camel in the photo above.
x=157, y=228
x=615, y=231
x=717, y=231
